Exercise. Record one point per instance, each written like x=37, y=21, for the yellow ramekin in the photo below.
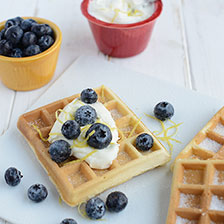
x=32, y=72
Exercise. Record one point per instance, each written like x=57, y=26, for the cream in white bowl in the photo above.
x=121, y=11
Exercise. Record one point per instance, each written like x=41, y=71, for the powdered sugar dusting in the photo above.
x=218, y=178
x=219, y=129
x=189, y=200
x=217, y=203
x=210, y=145
x=180, y=220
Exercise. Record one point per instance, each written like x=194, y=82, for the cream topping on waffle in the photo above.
x=121, y=11
x=101, y=159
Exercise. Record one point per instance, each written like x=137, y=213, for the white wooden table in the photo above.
x=186, y=48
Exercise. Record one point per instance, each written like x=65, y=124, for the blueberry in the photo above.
x=37, y=192
x=29, y=38
x=116, y=201
x=26, y=24
x=71, y=129
x=13, y=176
x=85, y=115
x=89, y=96
x=68, y=221
x=95, y=208
x=12, y=22
x=6, y=47
x=59, y=151
x=14, y=34
x=163, y=111
x=144, y=142
x=2, y=34
x=32, y=50
x=16, y=53
x=100, y=136
x=41, y=29
x=45, y=42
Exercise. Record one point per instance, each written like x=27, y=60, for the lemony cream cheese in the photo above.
x=100, y=159
x=121, y=11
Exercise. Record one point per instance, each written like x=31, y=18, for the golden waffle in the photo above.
x=197, y=195
x=209, y=142
x=77, y=182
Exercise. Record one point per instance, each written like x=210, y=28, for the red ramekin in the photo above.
x=122, y=40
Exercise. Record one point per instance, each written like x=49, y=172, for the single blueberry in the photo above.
x=32, y=50
x=85, y=115
x=99, y=136
x=2, y=44
x=89, y=96
x=26, y=24
x=144, y=142
x=163, y=111
x=116, y=201
x=59, y=151
x=68, y=221
x=13, y=176
x=29, y=38
x=37, y=192
x=71, y=129
x=95, y=208
x=6, y=47
x=12, y=22
x=14, y=34
x=45, y=42
x=2, y=34
x=16, y=53
x=41, y=29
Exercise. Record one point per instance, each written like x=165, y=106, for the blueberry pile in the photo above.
x=24, y=37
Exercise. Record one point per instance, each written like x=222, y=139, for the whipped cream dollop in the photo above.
x=121, y=11
x=101, y=159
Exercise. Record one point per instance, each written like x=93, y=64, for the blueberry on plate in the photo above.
x=32, y=50
x=13, y=176
x=16, y=53
x=68, y=221
x=163, y=111
x=29, y=38
x=144, y=142
x=37, y=192
x=99, y=136
x=41, y=29
x=95, y=208
x=116, y=201
x=89, y=96
x=85, y=115
x=59, y=151
x=45, y=42
x=14, y=34
x=71, y=129
x=26, y=24
x=12, y=22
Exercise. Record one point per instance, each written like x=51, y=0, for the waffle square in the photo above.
x=197, y=195
x=209, y=142
x=77, y=182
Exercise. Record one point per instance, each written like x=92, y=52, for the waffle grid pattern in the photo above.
x=197, y=195
x=76, y=182
x=209, y=142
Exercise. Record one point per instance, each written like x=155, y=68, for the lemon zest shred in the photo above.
x=116, y=13
x=134, y=128
x=60, y=200
x=57, y=118
x=40, y=134
x=56, y=133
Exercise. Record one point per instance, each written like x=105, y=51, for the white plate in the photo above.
x=148, y=193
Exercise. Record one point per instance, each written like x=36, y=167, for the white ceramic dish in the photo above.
x=148, y=193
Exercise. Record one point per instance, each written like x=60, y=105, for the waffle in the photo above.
x=197, y=195
x=209, y=142
x=77, y=182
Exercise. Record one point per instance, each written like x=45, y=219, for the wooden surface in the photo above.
x=186, y=47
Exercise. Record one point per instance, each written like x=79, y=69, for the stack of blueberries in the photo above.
x=25, y=37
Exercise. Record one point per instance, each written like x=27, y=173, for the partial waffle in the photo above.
x=77, y=182
x=197, y=195
x=209, y=142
